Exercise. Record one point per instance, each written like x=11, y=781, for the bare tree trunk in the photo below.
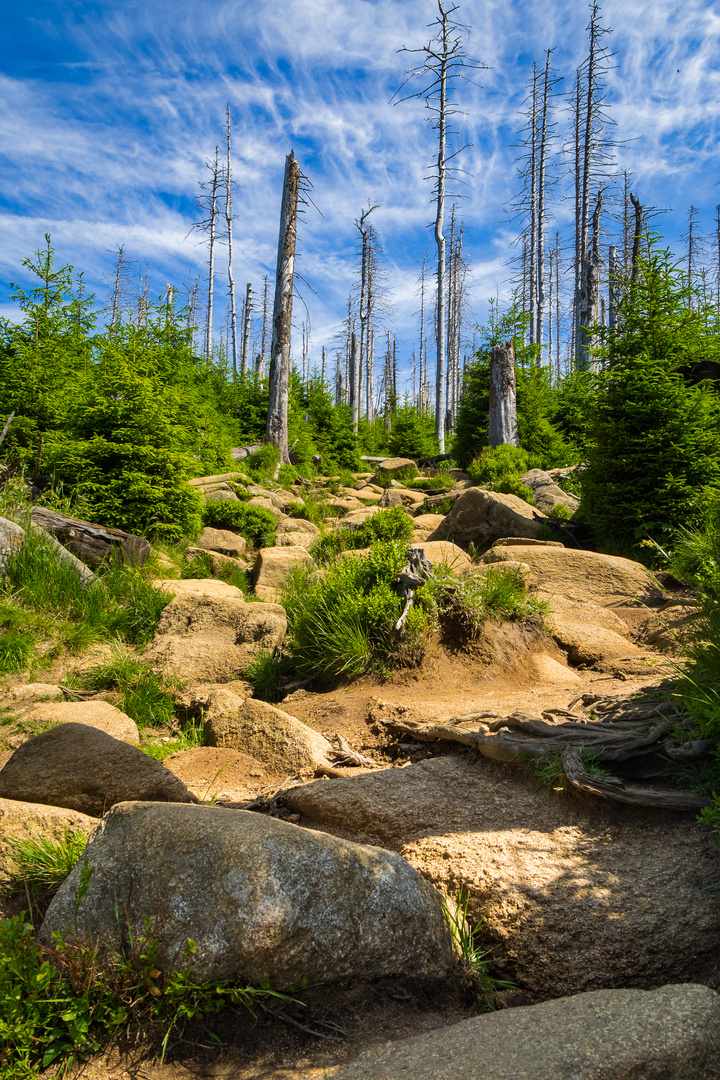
x=557, y=303
x=636, y=237
x=246, y=362
x=231, y=279
x=578, y=244
x=590, y=290
x=354, y=380
x=612, y=286
x=322, y=370
x=551, y=256
x=502, y=426
x=118, y=284
x=439, y=237
x=276, y=431
x=211, y=259
x=263, y=339
x=533, y=209
x=422, y=376
x=539, y=332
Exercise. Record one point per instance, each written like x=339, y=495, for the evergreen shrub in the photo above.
x=255, y=523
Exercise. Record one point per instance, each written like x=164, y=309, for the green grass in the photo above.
x=432, y=483
x=190, y=737
x=144, y=696
x=41, y=864
x=473, y=958
x=463, y=604
x=265, y=672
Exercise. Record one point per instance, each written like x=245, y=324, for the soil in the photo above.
x=510, y=668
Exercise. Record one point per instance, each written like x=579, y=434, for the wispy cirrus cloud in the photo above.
x=108, y=113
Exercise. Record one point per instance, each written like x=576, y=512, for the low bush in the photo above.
x=255, y=523
x=462, y=605
x=384, y=527
x=287, y=475
x=341, y=620
x=262, y=463
x=500, y=469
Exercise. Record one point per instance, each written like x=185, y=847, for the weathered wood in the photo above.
x=620, y=736
x=502, y=419
x=92, y=544
x=276, y=430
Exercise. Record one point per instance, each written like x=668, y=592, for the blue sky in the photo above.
x=108, y=112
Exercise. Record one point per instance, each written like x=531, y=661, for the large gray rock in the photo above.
x=270, y=735
x=668, y=1034
x=261, y=899
x=85, y=769
x=11, y=539
x=396, y=468
x=479, y=516
x=272, y=568
x=583, y=896
x=206, y=638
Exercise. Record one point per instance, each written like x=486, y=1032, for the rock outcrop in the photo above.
x=261, y=899
x=479, y=516
x=669, y=1034
x=84, y=769
x=204, y=638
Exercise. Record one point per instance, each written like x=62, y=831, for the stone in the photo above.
x=97, y=714
x=546, y=493
x=85, y=769
x=522, y=541
x=33, y=692
x=267, y=504
x=357, y=517
x=209, y=587
x=668, y=1034
x=584, y=575
x=220, y=495
x=25, y=820
x=204, y=481
x=224, y=541
x=266, y=733
x=11, y=540
x=262, y=899
x=426, y=523
x=396, y=468
x=207, y=638
x=479, y=516
x=296, y=532
x=390, y=498
x=220, y=564
x=583, y=895
x=273, y=566
x=442, y=552
x=277, y=499
x=588, y=633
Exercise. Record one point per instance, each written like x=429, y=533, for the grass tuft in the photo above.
x=41, y=864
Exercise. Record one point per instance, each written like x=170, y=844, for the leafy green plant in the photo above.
x=287, y=475
x=255, y=523
x=384, y=527
x=63, y=1002
x=474, y=959
x=262, y=463
x=432, y=483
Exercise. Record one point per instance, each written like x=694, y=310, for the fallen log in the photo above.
x=92, y=544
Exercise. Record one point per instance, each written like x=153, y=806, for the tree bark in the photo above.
x=502, y=426
x=231, y=278
x=247, y=316
x=353, y=379
x=276, y=431
x=92, y=544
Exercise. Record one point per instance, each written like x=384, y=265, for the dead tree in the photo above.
x=444, y=62
x=354, y=380
x=245, y=363
x=276, y=431
x=208, y=201
x=637, y=235
x=502, y=425
x=228, y=226
x=263, y=339
x=120, y=284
